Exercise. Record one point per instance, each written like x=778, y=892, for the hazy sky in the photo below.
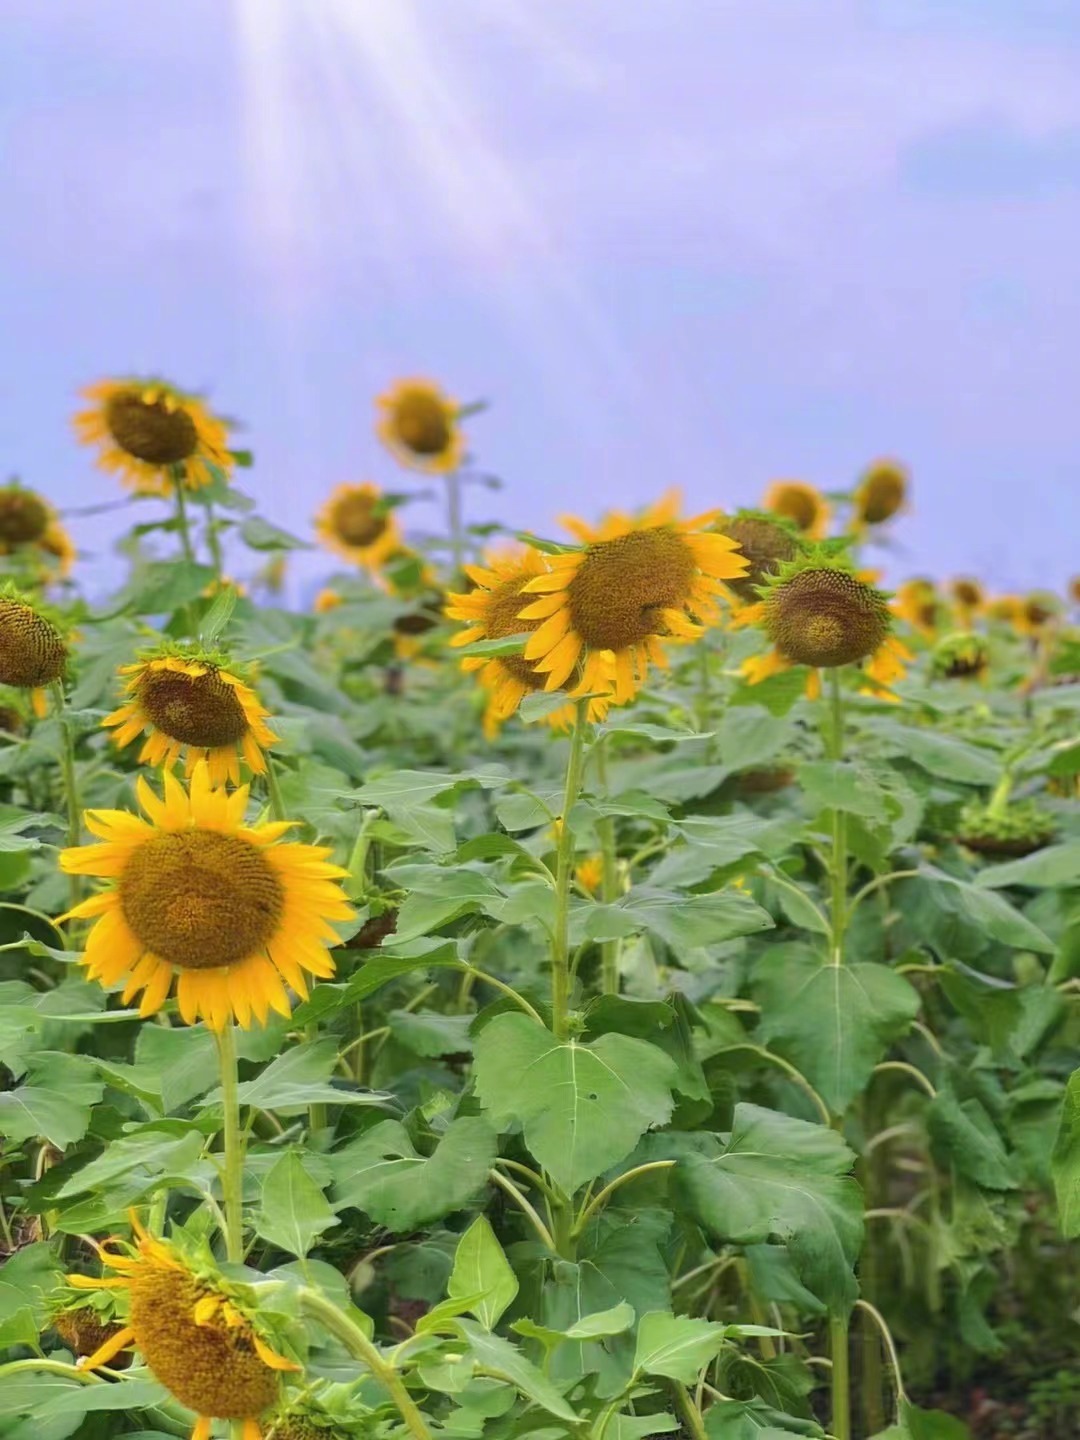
x=694, y=242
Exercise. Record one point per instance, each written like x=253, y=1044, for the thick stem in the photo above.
x=609, y=884
x=361, y=1348
x=999, y=800
x=71, y=784
x=455, y=523
x=560, y=947
x=689, y=1412
x=233, y=1177
x=840, y=1377
x=838, y=857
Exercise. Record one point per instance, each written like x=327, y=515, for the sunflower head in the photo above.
x=1020, y=829
x=766, y=540
x=962, y=656
x=920, y=604
x=33, y=652
x=194, y=1330
x=85, y=1329
x=149, y=431
x=205, y=899
x=802, y=504
x=357, y=522
x=1038, y=610
x=327, y=600
x=302, y=1426
x=967, y=593
x=589, y=873
x=190, y=699
x=818, y=612
x=881, y=492
x=418, y=423
x=24, y=516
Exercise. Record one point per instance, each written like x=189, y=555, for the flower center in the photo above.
x=765, y=545
x=356, y=522
x=32, y=652
x=797, y=505
x=422, y=423
x=501, y=619
x=200, y=899
x=23, y=517
x=826, y=617
x=621, y=586
x=149, y=431
x=201, y=710
x=212, y=1369
x=882, y=496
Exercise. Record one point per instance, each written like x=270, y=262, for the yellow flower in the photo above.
x=1036, y=611
x=221, y=583
x=589, y=873
x=493, y=612
x=146, y=426
x=326, y=600
x=818, y=612
x=195, y=1336
x=880, y=493
x=800, y=503
x=962, y=656
x=969, y=599
x=636, y=581
x=33, y=654
x=28, y=521
x=918, y=602
x=192, y=703
x=58, y=544
x=357, y=524
x=418, y=424
x=204, y=899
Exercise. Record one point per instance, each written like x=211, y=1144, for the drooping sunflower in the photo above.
x=766, y=540
x=200, y=897
x=196, y=1335
x=358, y=524
x=818, y=612
x=919, y=603
x=802, y=504
x=33, y=652
x=968, y=598
x=881, y=493
x=636, y=581
x=964, y=655
x=1036, y=611
x=419, y=424
x=191, y=701
x=148, y=430
x=492, y=610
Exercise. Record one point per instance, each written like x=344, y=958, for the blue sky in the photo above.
x=697, y=242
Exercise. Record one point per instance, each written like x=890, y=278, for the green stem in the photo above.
x=562, y=1223
x=71, y=784
x=890, y=1348
x=560, y=949
x=704, y=698
x=362, y=1349
x=525, y=1205
x=213, y=540
x=182, y=523
x=999, y=800
x=454, y=523
x=273, y=789
x=609, y=884
x=233, y=1177
x=600, y=1200
x=689, y=1412
x=838, y=856
x=840, y=1378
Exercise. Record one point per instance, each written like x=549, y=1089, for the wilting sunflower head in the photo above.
x=637, y=581
x=149, y=432
x=765, y=541
x=802, y=504
x=418, y=423
x=24, y=516
x=818, y=612
x=1020, y=829
x=357, y=522
x=185, y=698
x=968, y=593
x=204, y=899
x=195, y=1332
x=881, y=492
x=963, y=656
x=33, y=653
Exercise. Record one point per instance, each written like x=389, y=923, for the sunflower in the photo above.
x=880, y=493
x=802, y=504
x=189, y=701
x=358, y=524
x=918, y=602
x=636, y=581
x=766, y=540
x=204, y=898
x=493, y=612
x=86, y=1330
x=196, y=1337
x=818, y=612
x=327, y=600
x=28, y=523
x=33, y=653
x=589, y=873
x=148, y=431
x=58, y=545
x=1036, y=611
x=418, y=423
x=963, y=656
x=968, y=598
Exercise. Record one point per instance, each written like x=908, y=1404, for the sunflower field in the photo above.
x=606, y=985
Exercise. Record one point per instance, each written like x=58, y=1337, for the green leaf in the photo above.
x=916, y=1424
x=27, y=1280
x=481, y=1268
x=676, y=1346
x=844, y=785
x=169, y=1148
x=383, y=1174
x=967, y=1139
x=160, y=588
x=600, y=1325
x=1057, y=865
x=982, y=908
x=945, y=756
x=498, y=1357
x=259, y=534
x=297, y=1078
x=295, y=1212
x=29, y=1112
x=777, y=694
x=777, y=1176
x=834, y=1022
x=429, y=1034
x=1065, y=1160
x=583, y=1108
x=688, y=922
x=419, y=954
x=751, y=1420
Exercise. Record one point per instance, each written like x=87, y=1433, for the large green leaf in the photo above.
x=583, y=1108
x=498, y=1357
x=983, y=910
x=966, y=1138
x=834, y=1022
x=295, y=1212
x=845, y=785
x=917, y=1424
x=684, y=922
x=31, y=1111
x=945, y=756
x=1065, y=1160
x=1054, y=866
x=777, y=1177
x=751, y=1420
x=481, y=1268
x=676, y=1346
x=384, y=1175
x=300, y=1077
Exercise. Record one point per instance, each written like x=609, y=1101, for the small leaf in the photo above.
x=480, y=1267
x=383, y=1174
x=295, y=1212
x=498, y=1357
x=676, y=1346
